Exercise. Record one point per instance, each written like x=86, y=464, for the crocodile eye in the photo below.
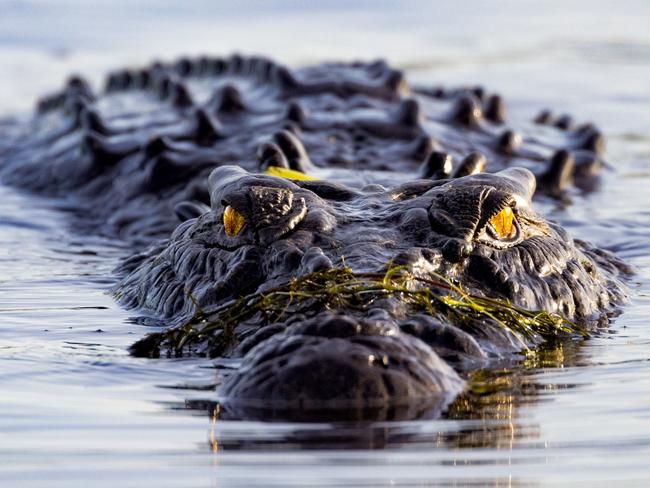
x=233, y=221
x=503, y=223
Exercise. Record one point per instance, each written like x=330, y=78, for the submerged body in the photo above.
x=372, y=188
x=478, y=231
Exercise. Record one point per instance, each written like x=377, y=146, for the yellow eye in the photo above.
x=503, y=223
x=233, y=221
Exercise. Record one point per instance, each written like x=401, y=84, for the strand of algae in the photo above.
x=341, y=289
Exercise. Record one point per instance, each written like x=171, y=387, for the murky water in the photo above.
x=77, y=410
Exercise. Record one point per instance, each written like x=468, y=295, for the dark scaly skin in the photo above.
x=429, y=228
x=149, y=141
x=401, y=181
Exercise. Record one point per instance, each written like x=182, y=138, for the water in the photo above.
x=77, y=410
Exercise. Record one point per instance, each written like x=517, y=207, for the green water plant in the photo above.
x=212, y=332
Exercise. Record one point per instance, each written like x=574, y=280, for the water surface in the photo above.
x=77, y=410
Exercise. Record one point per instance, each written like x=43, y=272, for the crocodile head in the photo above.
x=261, y=232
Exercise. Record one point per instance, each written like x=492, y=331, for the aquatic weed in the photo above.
x=342, y=289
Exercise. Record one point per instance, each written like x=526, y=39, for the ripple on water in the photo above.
x=77, y=410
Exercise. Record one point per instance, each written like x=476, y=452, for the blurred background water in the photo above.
x=77, y=410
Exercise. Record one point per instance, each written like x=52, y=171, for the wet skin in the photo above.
x=397, y=175
x=146, y=144
x=386, y=354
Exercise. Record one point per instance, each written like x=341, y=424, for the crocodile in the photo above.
x=138, y=152
x=239, y=180
x=263, y=232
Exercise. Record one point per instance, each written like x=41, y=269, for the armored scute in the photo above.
x=355, y=242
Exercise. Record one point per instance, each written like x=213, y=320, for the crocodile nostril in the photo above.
x=456, y=250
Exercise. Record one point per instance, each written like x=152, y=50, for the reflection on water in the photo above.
x=487, y=415
x=77, y=410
